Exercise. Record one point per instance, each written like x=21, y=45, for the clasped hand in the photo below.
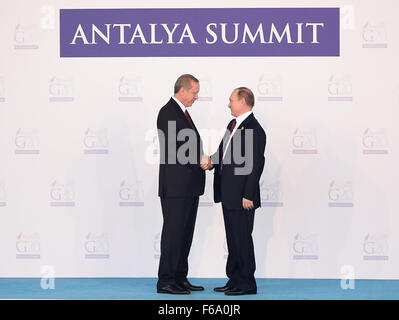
x=206, y=162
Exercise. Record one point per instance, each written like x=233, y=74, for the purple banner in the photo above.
x=199, y=32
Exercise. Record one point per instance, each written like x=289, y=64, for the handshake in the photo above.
x=206, y=162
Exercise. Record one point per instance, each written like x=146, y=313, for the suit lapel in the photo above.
x=183, y=118
x=246, y=124
x=179, y=111
x=224, y=140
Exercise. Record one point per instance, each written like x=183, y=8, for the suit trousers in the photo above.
x=240, y=267
x=179, y=215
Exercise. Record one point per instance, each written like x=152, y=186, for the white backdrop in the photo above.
x=78, y=151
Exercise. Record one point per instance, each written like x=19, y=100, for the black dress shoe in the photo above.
x=170, y=288
x=239, y=292
x=223, y=289
x=191, y=287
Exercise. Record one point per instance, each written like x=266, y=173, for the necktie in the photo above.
x=233, y=124
x=231, y=128
x=189, y=119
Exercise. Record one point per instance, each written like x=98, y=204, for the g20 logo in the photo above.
x=28, y=246
x=270, y=89
x=129, y=89
x=25, y=37
x=304, y=141
x=96, y=244
x=61, y=89
x=375, y=248
x=340, y=86
x=27, y=140
x=375, y=141
x=305, y=247
x=62, y=192
x=96, y=139
x=270, y=195
x=131, y=194
x=374, y=32
x=340, y=194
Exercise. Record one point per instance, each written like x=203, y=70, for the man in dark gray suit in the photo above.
x=236, y=186
x=181, y=182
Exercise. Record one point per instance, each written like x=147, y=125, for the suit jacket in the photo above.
x=177, y=179
x=229, y=184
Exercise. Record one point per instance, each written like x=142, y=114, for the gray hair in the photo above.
x=184, y=81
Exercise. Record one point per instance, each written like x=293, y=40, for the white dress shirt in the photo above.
x=239, y=120
x=181, y=105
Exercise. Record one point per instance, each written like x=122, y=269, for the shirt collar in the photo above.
x=242, y=117
x=181, y=105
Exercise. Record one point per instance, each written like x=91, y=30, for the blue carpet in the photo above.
x=145, y=289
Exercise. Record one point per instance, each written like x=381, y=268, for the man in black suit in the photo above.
x=181, y=182
x=238, y=165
